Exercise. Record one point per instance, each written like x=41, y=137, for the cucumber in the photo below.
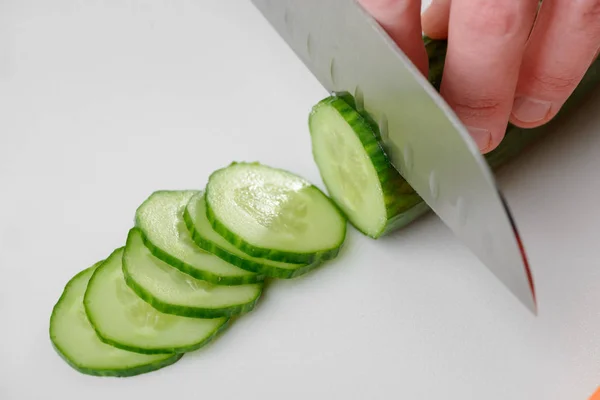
x=402, y=204
x=354, y=167
x=123, y=320
x=274, y=214
x=160, y=218
x=172, y=292
x=205, y=237
x=76, y=342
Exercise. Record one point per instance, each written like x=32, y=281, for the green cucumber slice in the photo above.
x=205, y=237
x=76, y=342
x=160, y=218
x=273, y=214
x=123, y=320
x=172, y=292
x=355, y=169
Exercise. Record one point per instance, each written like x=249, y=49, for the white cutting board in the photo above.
x=103, y=102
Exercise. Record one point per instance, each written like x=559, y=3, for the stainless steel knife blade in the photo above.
x=348, y=51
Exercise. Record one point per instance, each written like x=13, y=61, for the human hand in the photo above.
x=497, y=68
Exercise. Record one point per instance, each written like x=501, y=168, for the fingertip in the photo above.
x=485, y=139
x=494, y=143
x=481, y=71
x=528, y=112
x=492, y=146
x=530, y=125
x=481, y=136
x=556, y=59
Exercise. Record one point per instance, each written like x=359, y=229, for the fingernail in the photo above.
x=526, y=109
x=482, y=137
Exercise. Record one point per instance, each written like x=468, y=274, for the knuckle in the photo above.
x=476, y=108
x=494, y=18
x=589, y=10
x=547, y=83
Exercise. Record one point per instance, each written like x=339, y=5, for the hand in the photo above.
x=497, y=68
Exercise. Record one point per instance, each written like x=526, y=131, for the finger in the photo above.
x=435, y=19
x=401, y=19
x=563, y=44
x=486, y=40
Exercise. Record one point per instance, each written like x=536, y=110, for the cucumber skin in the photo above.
x=516, y=139
x=124, y=373
x=396, y=191
x=262, y=269
x=270, y=254
x=187, y=311
x=190, y=270
x=182, y=311
x=177, y=350
x=197, y=274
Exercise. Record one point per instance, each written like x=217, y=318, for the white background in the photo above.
x=103, y=102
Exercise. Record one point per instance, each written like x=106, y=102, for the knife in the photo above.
x=348, y=51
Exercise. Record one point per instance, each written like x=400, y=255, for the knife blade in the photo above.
x=348, y=51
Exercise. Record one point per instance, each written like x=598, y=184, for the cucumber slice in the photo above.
x=123, y=320
x=160, y=218
x=76, y=342
x=271, y=213
x=205, y=237
x=355, y=169
x=172, y=292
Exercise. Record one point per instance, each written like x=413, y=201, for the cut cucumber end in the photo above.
x=160, y=219
x=354, y=167
x=205, y=237
x=273, y=214
x=76, y=342
x=345, y=164
x=123, y=320
x=170, y=291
